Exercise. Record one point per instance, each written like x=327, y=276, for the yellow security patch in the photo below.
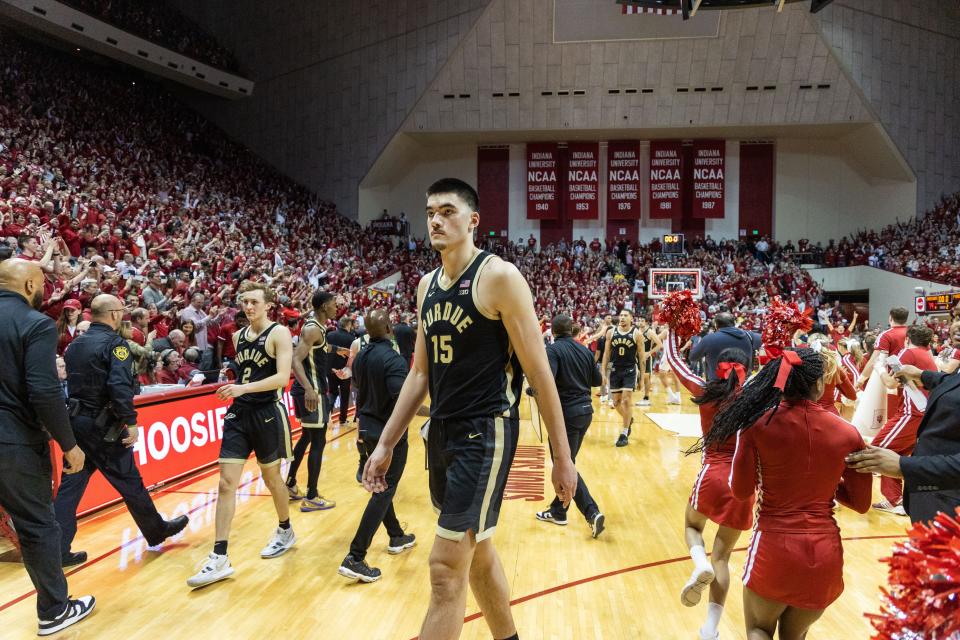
x=122, y=353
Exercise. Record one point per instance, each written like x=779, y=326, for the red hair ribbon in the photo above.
x=788, y=361
x=724, y=369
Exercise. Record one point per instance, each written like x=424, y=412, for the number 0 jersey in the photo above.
x=256, y=364
x=472, y=367
x=623, y=349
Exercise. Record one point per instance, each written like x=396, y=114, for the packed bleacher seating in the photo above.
x=160, y=23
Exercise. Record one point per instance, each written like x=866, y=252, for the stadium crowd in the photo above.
x=161, y=24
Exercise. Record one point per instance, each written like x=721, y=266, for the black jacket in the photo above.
x=931, y=476
x=31, y=397
x=378, y=373
x=338, y=338
x=713, y=344
x=99, y=370
x=575, y=372
x=406, y=339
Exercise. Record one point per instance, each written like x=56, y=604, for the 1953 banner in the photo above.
x=543, y=185
x=180, y=433
x=666, y=178
x=583, y=184
x=709, y=158
x=623, y=181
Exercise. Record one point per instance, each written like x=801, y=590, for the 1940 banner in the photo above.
x=666, y=178
x=709, y=158
x=543, y=186
x=583, y=184
x=623, y=180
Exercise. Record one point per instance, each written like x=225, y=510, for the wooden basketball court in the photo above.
x=565, y=585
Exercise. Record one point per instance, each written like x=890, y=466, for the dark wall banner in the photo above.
x=623, y=181
x=666, y=171
x=583, y=184
x=709, y=157
x=543, y=185
x=493, y=187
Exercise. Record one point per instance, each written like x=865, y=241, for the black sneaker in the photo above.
x=358, y=570
x=596, y=524
x=548, y=516
x=75, y=611
x=401, y=544
x=622, y=440
x=73, y=558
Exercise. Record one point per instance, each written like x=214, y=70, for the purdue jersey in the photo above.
x=314, y=365
x=623, y=349
x=472, y=368
x=255, y=364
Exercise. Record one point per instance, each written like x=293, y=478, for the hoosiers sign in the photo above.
x=666, y=178
x=623, y=181
x=583, y=185
x=542, y=181
x=708, y=178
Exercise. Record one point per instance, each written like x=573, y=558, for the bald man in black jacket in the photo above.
x=32, y=410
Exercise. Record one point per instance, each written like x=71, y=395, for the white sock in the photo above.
x=624, y=432
x=709, y=628
x=699, y=556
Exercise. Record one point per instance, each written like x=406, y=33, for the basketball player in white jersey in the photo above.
x=257, y=422
x=477, y=328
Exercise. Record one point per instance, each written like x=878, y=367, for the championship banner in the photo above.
x=543, y=186
x=623, y=181
x=666, y=171
x=583, y=184
x=709, y=168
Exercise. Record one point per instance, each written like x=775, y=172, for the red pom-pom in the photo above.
x=923, y=599
x=680, y=312
x=781, y=322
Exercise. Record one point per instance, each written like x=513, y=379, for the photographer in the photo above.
x=101, y=385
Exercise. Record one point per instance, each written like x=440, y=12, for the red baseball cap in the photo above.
x=73, y=303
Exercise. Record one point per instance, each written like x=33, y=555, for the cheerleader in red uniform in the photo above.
x=794, y=449
x=711, y=498
x=851, y=355
x=953, y=350
x=836, y=382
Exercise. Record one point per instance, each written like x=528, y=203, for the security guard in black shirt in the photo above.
x=379, y=372
x=576, y=372
x=101, y=385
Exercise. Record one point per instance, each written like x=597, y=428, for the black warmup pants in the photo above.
x=340, y=388
x=115, y=462
x=380, y=506
x=576, y=429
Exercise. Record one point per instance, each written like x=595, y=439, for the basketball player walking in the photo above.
x=477, y=328
x=309, y=392
x=622, y=351
x=256, y=422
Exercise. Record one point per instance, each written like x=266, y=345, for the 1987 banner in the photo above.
x=709, y=157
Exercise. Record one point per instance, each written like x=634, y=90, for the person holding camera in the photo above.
x=101, y=386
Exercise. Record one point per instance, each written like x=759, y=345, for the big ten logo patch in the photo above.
x=526, y=478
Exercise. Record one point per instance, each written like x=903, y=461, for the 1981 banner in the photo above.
x=623, y=181
x=542, y=181
x=709, y=158
x=666, y=171
x=583, y=184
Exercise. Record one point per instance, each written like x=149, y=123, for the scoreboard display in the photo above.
x=673, y=243
x=937, y=303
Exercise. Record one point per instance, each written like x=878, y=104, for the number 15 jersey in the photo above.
x=473, y=370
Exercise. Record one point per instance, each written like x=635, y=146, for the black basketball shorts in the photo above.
x=311, y=419
x=469, y=460
x=260, y=429
x=623, y=379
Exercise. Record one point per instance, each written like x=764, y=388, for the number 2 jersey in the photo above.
x=256, y=364
x=473, y=370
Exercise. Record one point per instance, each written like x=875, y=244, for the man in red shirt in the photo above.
x=890, y=342
x=899, y=434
